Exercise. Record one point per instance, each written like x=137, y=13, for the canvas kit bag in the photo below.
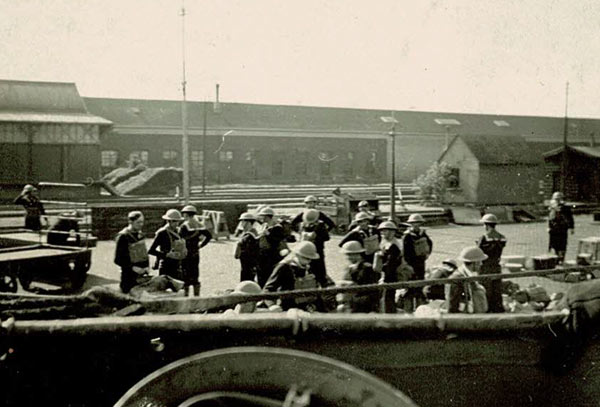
x=422, y=248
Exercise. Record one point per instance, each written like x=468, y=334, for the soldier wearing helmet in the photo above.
x=390, y=249
x=364, y=233
x=34, y=209
x=196, y=236
x=359, y=272
x=364, y=207
x=560, y=221
x=468, y=297
x=247, y=247
x=168, y=247
x=314, y=230
x=417, y=248
x=131, y=254
x=445, y=270
x=272, y=248
x=310, y=202
x=266, y=218
x=492, y=244
x=294, y=273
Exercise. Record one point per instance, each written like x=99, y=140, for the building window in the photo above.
x=349, y=170
x=301, y=162
x=371, y=165
x=277, y=163
x=197, y=159
x=454, y=178
x=138, y=157
x=109, y=158
x=225, y=156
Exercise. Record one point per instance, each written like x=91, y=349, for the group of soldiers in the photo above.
x=176, y=247
x=376, y=251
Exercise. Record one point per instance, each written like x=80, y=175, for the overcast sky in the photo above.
x=481, y=56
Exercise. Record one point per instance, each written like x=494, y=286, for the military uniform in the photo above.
x=33, y=210
x=130, y=251
x=492, y=244
x=417, y=248
x=368, y=238
x=391, y=259
x=192, y=232
x=560, y=221
x=362, y=273
x=290, y=275
x=168, y=241
x=318, y=234
x=246, y=251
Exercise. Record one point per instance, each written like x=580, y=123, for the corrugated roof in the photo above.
x=157, y=113
x=588, y=151
x=499, y=149
x=44, y=102
x=52, y=118
x=40, y=97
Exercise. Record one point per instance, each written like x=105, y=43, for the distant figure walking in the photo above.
x=560, y=220
x=34, y=209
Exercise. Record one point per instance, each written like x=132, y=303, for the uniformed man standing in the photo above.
x=312, y=229
x=560, y=221
x=310, y=202
x=417, y=248
x=492, y=244
x=196, y=236
x=168, y=247
x=364, y=233
x=391, y=253
x=246, y=249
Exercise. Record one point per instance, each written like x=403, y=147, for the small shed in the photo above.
x=582, y=172
x=493, y=170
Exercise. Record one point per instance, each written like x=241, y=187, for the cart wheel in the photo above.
x=8, y=283
x=261, y=376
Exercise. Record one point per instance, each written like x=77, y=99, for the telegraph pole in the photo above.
x=565, y=159
x=185, y=153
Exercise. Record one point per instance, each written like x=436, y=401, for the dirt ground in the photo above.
x=220, y=271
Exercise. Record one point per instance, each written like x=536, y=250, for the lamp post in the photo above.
x=185, y=153
x=392, y=134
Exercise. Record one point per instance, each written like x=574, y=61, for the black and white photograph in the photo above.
x=301, y=203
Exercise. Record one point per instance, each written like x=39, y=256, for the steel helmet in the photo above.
x=267, y=210
x=415, y=218
x=247, y=287
x=557, y=195
x=306, y=249
x=363, y=204
x=310, y=198
x=189, y=209
x=472, y=254
x=388, y=224
x=247, y=216
x=361, y=216
x=489, y=218
x=28, y=188
x=310, y=216
x=172, y=214
x=352, y=246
